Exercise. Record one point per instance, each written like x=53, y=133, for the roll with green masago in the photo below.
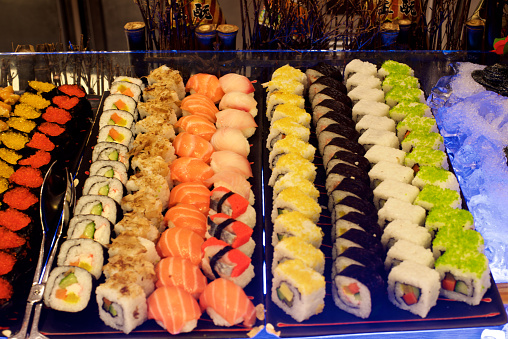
x=295, y=224
x=390, y=67
x=85, y=253
x=414, y=123
x=400, y=94
x=424, y=156
x=292, y=162
x=279, y=98
x=397, y=209
x=398, y=79
x=369, y=107
x=298, y=290
x=90, y=226
x=294, y=112
x=357, y=290
x=68, y=289
x=100, y=185
x=452, y=237
x=122, y=305
x=444, y=216
x=430, y=175
x=431, y=196
x=422, y=139
x=379, y=153
x=405, y=230
x=111, y=151
x=297, y=248
x=284, y=127
x=403, y=109
x=293, y=199
x=413, y=287
x=290, y=144
x=464, y=274
x=390, y=188
x=405, y=250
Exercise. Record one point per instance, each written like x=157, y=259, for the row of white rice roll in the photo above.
x=412, y=187
x=298, y=284
x=209, y=234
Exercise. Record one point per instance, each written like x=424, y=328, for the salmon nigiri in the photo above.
x=230, y=161
x=193, y=193
x=197, y=125
x=233, y=82
x=230, y=139
x=239, y=100
x=199, y=104
x=182, y=243
x=206, y=84
x=189, y=145
x=173, y=309
x=179, y=272
x=186, y=216
x=236, y=118
x=187, y=169
x=227, y=304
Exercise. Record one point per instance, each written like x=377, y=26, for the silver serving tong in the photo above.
x=44, y=262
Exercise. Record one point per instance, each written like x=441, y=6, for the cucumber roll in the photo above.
x=98, y=205
x=90, y=226
x=422, y=139
x=430, y=175
x=68, y=289
x=84, y=253
x=444, y=216
x=111, y=151
x=403, y=109
x=357, y=290
x=110, y=169
x=298, y=290
x=116, y=117
x=413, y=123
x=100, y=185
x=400, y=94
x=413, y=287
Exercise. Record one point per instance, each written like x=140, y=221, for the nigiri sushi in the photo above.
x=173, y=309
x=186, y=216
x=217, y=299
x=222, y=261
x=233, y=82
x=234, y=181
x=239, y=100
x=185, y=169
x=234, y=232
x=206, y=84
x=193, y=193
x=223, y=200
x=179, y=272
x=197, y=125
x=189, y=145
x=230, y=139
x=236, y=118
x=230, y=161
x=182, y=243
x=199, y=104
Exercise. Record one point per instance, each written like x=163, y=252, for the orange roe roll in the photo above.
x=13, y=219
x=20, y=198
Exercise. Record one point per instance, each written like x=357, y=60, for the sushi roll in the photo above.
x=222, y=261
x=335, y=130
x=333, y=117
x=90, y=226
x=405, y=230
x=364, y=92
x=328, y=93
x=290, y=72
x=362, y=79
x=288, y=85
x=111, y=151
x=356, y=220
x=323, y=82
x=398, y=209
x=296, y=248
x=118, y=134
x=341, y=171
x=402, y=80
x=369, y=107
x=155, y=185
x=100, y=185
x=430, y=175
x=390, y=188
x=173, y=309
x=161, y=124
x=294, y=179
x=121, y=102
x=84, y=253
x=357, y=238
x=403, y=109
x=348, y=158
x=413, y=287
x=377, y=122
x=290, y=144
x=233, y=232
x=390, y=67
x=132, y=80
x=98, y=205
x=68, y=289
x=431, y=196
x=121, y=305
x=145, y=205
x=283, y=127
x=359, y=66
x=405, y=250
x=293, y=199
x=126, y=88
x=415, y=123
x=422, y=139
x=358, y=256
x=156, y=145
x=169, y=76
x=349, y=187
x=131, y=269
x=374, y=136
x=279, y=98
x=294, y=112
x=379, y=153
x=181, y=273
x=167, y=105
x=385, y=170
x=330, y=105
x=292, y=162
x=357, y=290
x=323, y=69
x=298, y=290
x=341, y=144
x=137, y=225
x=453, y=237
x=138, y=247
x=223, y=200
x=295, y=224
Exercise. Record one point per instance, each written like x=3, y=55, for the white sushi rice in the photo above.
x=405, y=230
x=405, y=250
x=82, y=289
x=363, y=92
x=390, y=188
x=375, y=136
x=374, y=121
x=379, y=153
x=385, y=170
x=397, y=209
x=369, y=107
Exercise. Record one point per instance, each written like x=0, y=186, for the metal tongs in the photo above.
x=53, y=195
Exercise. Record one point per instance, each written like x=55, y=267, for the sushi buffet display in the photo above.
x=344, y=173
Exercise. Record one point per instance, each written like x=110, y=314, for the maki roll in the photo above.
x=358, y=256
x=100, y=185
x=68, y=289
x=323, y=69
x=422, y=139
x=357, y=238
x=356, y=220
x=283, y=84
x=341, y=144
x=293, y=199
x=374, y=136
x=390, y=188
x=126, y=88
x=335, y=130
x=121, y=102
x=290, y=72
x=116, y=118
x=109, y=169
x=278, y=98
x=413, y=287
x=290, y=144
x=98, y=205
x=373, y=121
x=294, y=179
x=137, y=225
x=118, y=134
x=130, y=246
x=347, y=187
x=397, y=209
x=403, y=109
x=331, y=93
x=390, y=67
x=298, y=290
x=333, y=117
x=400, y=94
x=402, y=80
x=296, y=248
x=284, y=127
x=295, y=224
x=294, y=112
x=444, y=216
x=385, y=170
x=84, y=253
x=292, y=162
x=413, y=123
x=357, y=290
x=379, y=153
x=90, y=226
x=111, y=151
x=430, y=175
x=353, y=204
x=366, y=93
x=369, y=107
x=405, y=250
x=405, y=230
x=330, y=105
x=341, y=171
x=452, y=237
x=432, y=196
x=322, y=83
x=348, y=158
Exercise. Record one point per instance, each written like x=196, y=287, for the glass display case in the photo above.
x=95, y=71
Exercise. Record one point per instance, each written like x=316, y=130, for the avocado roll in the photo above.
x=110, y=169
x=98, y=205
x=84, y=253
x=111, y=151
x=68, y=289
x=100, y=185
x=116, y=117
x=90, y=226
x=357, y=290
